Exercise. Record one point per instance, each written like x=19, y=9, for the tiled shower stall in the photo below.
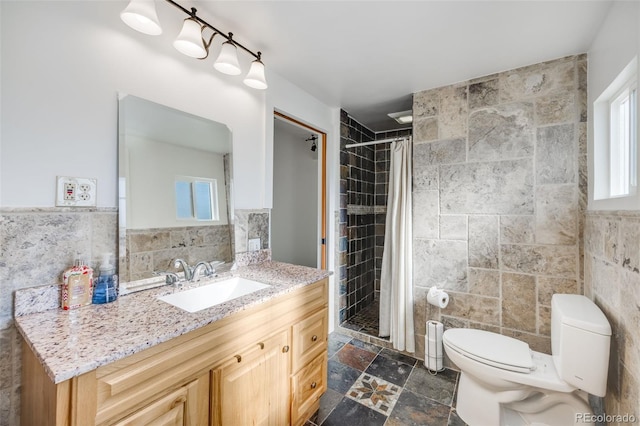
x=364, y=174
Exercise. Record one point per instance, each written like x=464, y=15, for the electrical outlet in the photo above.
x=77, y=192
x=69, y=191
x=254, y=244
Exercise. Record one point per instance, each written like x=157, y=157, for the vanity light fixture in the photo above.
x=227, y=62
x=141, y=16
x=189, y=41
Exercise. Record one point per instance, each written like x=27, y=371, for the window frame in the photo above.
x=626, y=160
x=195, y=200
x=605, y=193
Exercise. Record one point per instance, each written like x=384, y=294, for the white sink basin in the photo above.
x=199, y=298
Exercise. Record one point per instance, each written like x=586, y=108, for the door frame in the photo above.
x=323, y=178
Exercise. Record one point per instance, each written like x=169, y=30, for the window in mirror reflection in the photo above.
x=196, y=198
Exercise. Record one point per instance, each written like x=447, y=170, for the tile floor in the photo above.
x=366, y=321
x=369, y=385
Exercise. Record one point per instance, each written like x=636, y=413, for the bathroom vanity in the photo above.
x=259, y=359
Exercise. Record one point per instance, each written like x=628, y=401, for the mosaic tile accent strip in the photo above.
x=375, y=393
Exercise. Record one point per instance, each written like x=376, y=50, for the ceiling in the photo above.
x=368, y=57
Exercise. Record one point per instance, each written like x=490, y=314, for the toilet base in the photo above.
x=479, y=404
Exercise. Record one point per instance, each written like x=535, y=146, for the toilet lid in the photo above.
x=491, y=348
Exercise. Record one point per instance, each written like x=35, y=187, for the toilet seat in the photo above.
x=491, y=349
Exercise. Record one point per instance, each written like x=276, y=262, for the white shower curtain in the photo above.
x=396, y=279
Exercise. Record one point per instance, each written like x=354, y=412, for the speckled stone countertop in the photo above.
x=70, y=343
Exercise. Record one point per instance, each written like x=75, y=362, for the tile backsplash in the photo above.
x=38, y=244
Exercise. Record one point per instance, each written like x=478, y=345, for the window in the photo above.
x=623, y=141
x=196, y=199
x=615, y=137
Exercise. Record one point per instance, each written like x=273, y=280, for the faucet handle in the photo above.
x=170, y=277
x=188, y=271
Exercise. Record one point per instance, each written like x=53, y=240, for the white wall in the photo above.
x=288, y=99
x=615, y=45
x=295, y=213
x=60, y=81
x=152, y=170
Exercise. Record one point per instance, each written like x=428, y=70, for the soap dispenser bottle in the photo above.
x=77, y=285
x=106, y=288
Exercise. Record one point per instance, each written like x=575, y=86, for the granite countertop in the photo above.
x=70, y=343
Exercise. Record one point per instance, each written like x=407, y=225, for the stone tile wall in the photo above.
x=499, y=194
x=360, y=185
x=38, y=244
x=150, y=250
x=612, y=280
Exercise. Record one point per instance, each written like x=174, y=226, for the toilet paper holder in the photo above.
x=433, y=357
x=437, y=297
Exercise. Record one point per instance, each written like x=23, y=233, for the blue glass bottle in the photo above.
x=106, y=286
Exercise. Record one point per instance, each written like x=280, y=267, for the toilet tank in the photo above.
x=580, y=337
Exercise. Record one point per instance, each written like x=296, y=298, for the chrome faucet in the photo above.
x=208, y=270
x=188, y=272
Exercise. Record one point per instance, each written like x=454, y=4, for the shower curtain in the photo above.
x=396, y=279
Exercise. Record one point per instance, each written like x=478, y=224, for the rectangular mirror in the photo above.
x=175, y=189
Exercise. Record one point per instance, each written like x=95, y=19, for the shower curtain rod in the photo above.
x=351, y=145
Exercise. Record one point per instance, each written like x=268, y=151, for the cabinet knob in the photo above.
x=313, y=385
x=239, y=358
x=314, y=338
x=261, y=345
x=285, y=349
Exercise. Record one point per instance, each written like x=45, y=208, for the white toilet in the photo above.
x=503, y=382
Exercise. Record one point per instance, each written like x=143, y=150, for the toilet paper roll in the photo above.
x=437, y=297
x=433, y=346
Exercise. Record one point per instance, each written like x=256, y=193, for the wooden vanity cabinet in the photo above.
x=253, y=387
x=187, y=405
x=266, y=365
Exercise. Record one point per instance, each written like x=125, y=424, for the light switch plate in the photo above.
x=75, y=192
x=254, y=244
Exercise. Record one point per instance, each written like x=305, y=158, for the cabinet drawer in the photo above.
x=309, y=338
x=308, y=385
x=185, y=406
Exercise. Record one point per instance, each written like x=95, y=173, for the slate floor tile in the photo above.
x=455, y=420
x=341, y=377
x=354, y=357
x=417, y=410
x=398, y=356
x=348, y=412
x=390, y=370
x=328, y=402
x=440, y=387
x=366, y=346
x=336, y=342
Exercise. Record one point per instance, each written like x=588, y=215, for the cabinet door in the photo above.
x=185, y=406
x=253, y=387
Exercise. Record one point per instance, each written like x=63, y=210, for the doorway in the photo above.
x=298, y=216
